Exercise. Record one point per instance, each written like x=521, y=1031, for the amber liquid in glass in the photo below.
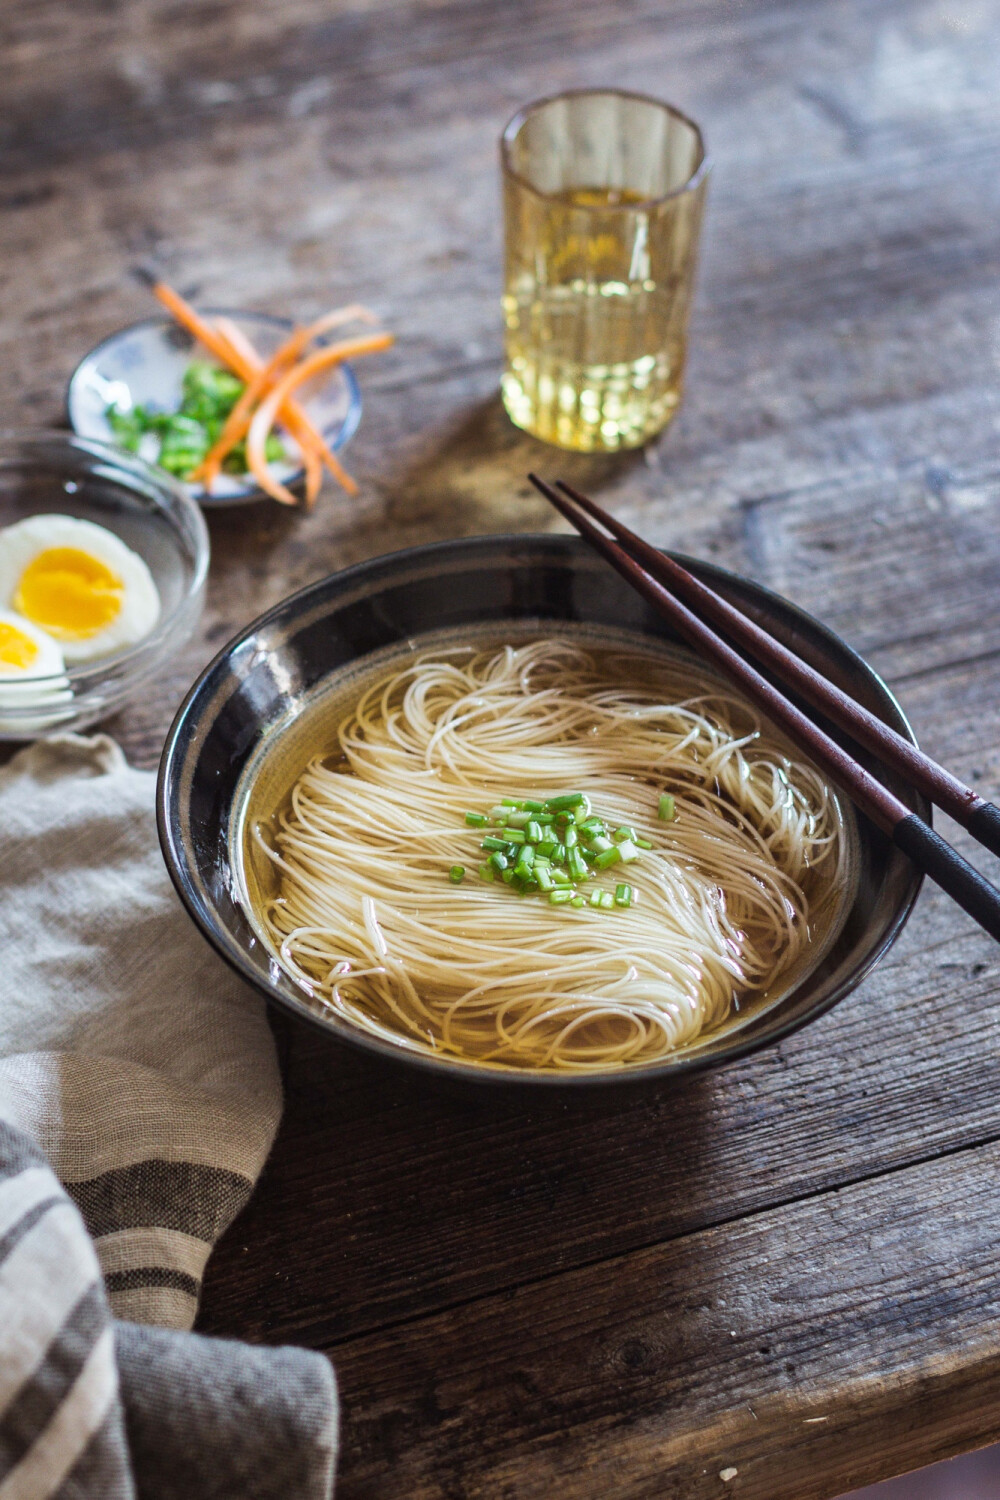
x=594, y=344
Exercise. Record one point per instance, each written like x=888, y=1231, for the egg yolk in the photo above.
x=17, y=650
x=69, y=593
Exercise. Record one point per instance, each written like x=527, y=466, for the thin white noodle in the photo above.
x=729, y=895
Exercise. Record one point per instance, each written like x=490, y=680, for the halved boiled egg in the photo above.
x=26, y=652
x=78, y=583
x=34, y=690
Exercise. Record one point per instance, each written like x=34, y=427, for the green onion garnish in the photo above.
x=552, y=848
x=667, y=809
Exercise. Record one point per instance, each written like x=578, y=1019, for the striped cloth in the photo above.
x=139, y=1096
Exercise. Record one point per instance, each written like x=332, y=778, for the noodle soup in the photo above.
x=566, y=852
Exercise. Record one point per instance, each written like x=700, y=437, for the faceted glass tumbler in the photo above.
x=603, y=199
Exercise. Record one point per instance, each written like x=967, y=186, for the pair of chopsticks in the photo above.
x=688, y=604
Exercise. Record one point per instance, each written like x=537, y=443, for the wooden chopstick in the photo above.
x=927, y=849
x=981, y=818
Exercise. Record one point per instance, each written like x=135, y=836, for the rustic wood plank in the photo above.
x=811, y=1350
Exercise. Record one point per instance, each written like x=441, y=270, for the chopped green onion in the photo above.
x=546, y=847
x=601, y=845
x=569, y=799
x=583, y=811
x=533, y=832
x=492, y=842
x=624, y=833
x=497, y=862
x=558, y=855
x=544, y=878
x=545, y=819
x=627, y=851
x=507, y=876
x=518, y=819
x=456, y=874
x=667, y=809
x=559, y=877
x=609, y=857
x=514, y=835
x=607, y=900
x=498, y=814
x=623, y=895
x=525, y=860
x=570, y=837
x=578, y=901
x=475, y=820
x=510, y=802
x=559, y=896
x=485, y=873
x=592, y=826
x=576, y=865
x=643, y=844
x=533, y=807
x=595, y=898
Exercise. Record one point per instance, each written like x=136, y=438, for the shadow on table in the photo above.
x=974, y=1476
x=475, y=476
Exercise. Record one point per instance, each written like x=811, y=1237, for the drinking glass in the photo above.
x=603, y=197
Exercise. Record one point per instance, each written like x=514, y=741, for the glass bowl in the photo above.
x=265, y=680
x=57, y=473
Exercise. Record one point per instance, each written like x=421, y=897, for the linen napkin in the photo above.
x=137, y=1074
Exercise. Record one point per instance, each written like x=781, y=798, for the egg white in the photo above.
x=38, y=695
x=21, y=543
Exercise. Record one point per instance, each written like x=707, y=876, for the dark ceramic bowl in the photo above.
x=260, y=682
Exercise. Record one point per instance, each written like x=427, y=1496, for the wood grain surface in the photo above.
x=785, y=1272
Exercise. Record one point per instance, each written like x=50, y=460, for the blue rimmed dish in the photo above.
x=144, y=364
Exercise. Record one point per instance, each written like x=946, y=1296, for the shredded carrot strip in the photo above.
x=238, y=420
x=308, y=436
x=276, y=400
x=295, y=419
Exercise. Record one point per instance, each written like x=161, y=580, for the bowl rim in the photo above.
x=676, y=1065
x=150, y=475
x=337, y=437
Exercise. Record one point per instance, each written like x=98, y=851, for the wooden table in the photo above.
x=778, y=1281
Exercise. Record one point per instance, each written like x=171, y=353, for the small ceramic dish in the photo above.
x=243, y=710
x=46, y=473
x=144, y=364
